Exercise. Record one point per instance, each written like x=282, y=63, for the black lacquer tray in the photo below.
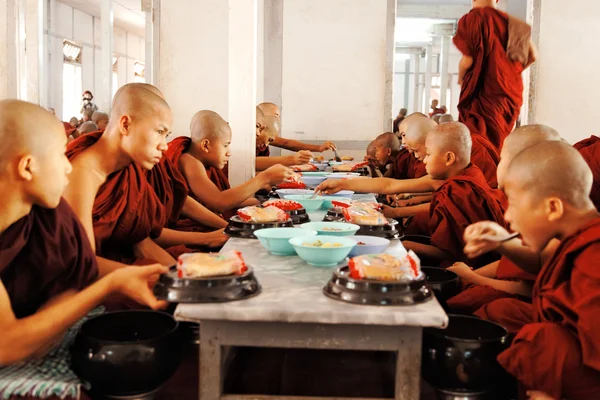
x=239, y=228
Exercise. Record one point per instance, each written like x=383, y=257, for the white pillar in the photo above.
x=390, y=49
x=36, y=48
x=104, y=100
x=444, y=72
x=407, y=84
x=152, y=11
x=273, y=51
x=428, y=71
x=417, y=88
x=8, y=49
x=242, y=88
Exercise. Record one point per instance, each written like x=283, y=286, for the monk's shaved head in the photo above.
x=552, y=169
x=387, y=140
x=418, y=129
x=209, y=125
x=403, y=126
x=436, y=118
x=444, y=119
x=270, y=109
x=87, y=114
x=454, y=137
x=527, y=136
x=138, y=85
x=74, y=122
x=87, y=127
x=98, y=116
x=137, y=99
x=272, y=126
x=371, y=149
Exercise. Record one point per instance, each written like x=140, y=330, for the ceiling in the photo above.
x=128, y=14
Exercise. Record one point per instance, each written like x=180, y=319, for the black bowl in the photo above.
x=127, y=353
x=463, y=356
x=445, y=284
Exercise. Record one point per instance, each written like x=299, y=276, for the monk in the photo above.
x=202, y=157
x=49, y=278
x=445, y=118
x=74, y=122
x=100, y=118
x=401, y=115
x=590, y=150
x=87, y=115
x=435, y=110
x=503, y=278
x=557, y=347
x=86, y=127
x=69, y=129
x=496, y=49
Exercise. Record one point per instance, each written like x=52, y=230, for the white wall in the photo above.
x=334, y=66
x=568, y=79
x=72, y=24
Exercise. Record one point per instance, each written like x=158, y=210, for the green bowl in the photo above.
x=320, y=173
x=332, y=228
x=322, y=256
x=306, y=201
x=276, y=240
x=327, y=201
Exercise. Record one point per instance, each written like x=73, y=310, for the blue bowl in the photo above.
x=277, y=240
x=332, y=228
x=306, y=201
x=328, y=200
x=321, y=166
x=343, y=193
x=322, y=256
x=372, y=245
x=313, y=181
x=283, y=193
x=312, y=173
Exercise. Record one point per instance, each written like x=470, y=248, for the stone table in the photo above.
x=292, y=312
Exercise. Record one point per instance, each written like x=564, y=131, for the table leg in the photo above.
x=211, y=384
x=408, y=365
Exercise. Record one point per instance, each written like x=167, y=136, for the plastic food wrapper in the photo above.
x=295, y=182
x=285, y=205
x=304, y=168
x=365, y=204
x=364, y=215
x=261, y=215
x=203, y=265
x=349, y=167
x=385, y=267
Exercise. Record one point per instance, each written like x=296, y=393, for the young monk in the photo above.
x=590, y=150
x=557, y=348
x=202, y=157
x=100, y=119
x=74, y=122
x=87, y=115
x=503, y=278
x=445, y=118
x=48, y=271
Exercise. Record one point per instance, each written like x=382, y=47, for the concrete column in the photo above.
x=273, y=52
x=152, y=42
x=36, y=48
x=428, y=72
x=407, y=84
x=417, y=88
x=106, y=70
x=444, y=70
x=390, y=49
x=8, y=49
x=242, y=88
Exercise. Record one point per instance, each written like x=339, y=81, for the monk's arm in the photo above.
x=465, y=64
x=526, y=259
x=149, y=250
x=427, y=251
x=512, y=287
x=263, y=163
x=80, y=194
x=170, y=237
x=197, y=212
x=295, y=145
x=403, y=212
x=489, y=270
x=380, y=185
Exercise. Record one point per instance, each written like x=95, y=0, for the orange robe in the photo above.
x=485, y=156
x=43, y=254
x=406, y=166
x=461, y=201
x=557, y=348
x=69, y=129
x=492, y=91
x=590, y=150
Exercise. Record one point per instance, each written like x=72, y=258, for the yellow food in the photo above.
x=322, y=245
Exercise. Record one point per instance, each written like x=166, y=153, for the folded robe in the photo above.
x=406, y=166
x=42, y=255
x=590, y=150
x=485, y=156
x=461, y=201
x=492, y=91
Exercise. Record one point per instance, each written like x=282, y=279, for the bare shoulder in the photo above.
x=190, y=166
x=84, y=182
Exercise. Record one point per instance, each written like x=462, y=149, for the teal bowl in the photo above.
x=307, y=202
x=328, y=200
x=277, y=240
x=322, y=256
x=332, y=228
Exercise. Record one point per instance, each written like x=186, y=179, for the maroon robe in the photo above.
x=485, y=156
x=69, y=129
x=406, y=166
x=590, y=150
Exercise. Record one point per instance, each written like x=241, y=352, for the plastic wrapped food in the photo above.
x=203, y=265
x=364, y=215
x=385, y=267
x=262, y=215
x=304, y=168
x=285, y=205
x=349, y=167
x=295, y=182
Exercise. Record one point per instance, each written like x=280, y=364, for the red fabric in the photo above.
x=126, y=209
x=492, y=90
x=436, y=111
x=218, y=177
x=486, y=157
x=177, y=147
x=406, y=166
x=461, y=201
x=474, y=297
x=170, y=187
x=418, y=169
x=69, y=129
x=42, y=255
x=590, y=150
x=509, y=270
x=419, y=224
x=511, y=313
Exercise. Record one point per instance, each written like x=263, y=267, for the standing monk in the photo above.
x=496, y=49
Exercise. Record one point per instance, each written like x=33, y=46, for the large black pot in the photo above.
x=127, y=352
x=462, y=357
x=445, y=284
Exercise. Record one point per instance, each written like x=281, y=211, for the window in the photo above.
x=138, y=72
x=71, y=52
x=72, y=90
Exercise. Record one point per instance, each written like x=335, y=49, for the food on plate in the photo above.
x=304, y=168
x=294, y=182
x=364, y=215
x=332, y=229
x=319, y=159
x=262, y=215
x=349, y=167
x=202, y=265
x=385, y=267
x=285, y=205
x=322, y=245
x=347, y=158
x=361, y=244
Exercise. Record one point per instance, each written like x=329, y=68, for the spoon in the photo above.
x=337, y=156
x=500, y=239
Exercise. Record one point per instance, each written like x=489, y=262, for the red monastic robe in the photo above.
x=406, y=166
x=590, y=150
x=486, y=157
x=557, y=348
x=69, y=129
x=42, y=255
x=492, y=91
x=461, y=201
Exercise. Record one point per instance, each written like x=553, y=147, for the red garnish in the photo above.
x=179, y=273
x=413, y=265
x=285, y=205
x=292, y=185
x=341, y=204
x=244, y=267
x=354, y=274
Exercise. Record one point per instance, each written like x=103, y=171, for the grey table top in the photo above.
x=292, y=292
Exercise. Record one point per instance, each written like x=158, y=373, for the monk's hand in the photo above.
x=461, y=269
x=137, y=282
x=330, y=186
x=277, y=174
x=216, y=238
x=479, y=238
x=388, y=212
x=328, y=146
x=303, y=157
x=537, y=395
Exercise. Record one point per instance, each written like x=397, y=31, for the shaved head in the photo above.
x=74, y=122
x=87, y=114
x=445, y=118
x=270, y=109
x=99, y=115
x=436, y=118
x=209, y=125
x=387, y=140
x=406, y=123
x=272, y=126
x=137, y=85
x=454, y=137
x=87, y=127
x=137, y=99
x=416, y=134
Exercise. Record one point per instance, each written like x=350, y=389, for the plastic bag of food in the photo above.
x=304, y=168
x=385, y=267
x=285, y=205
x=262, y=215
x=294, y=182
x=350, y=167
x=202, y=265
x=364, y=215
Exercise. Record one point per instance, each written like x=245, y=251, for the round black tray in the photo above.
x=377, y=293
x=334, y=214
x=389, y=231
x=241, y=229
x=298, y=216
x=218, y=289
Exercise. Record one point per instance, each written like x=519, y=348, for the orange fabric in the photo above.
x=492, y=91
x=406, y=166
x=590, y=150
x=461, y=201
x=69, y=129
x=419, y=169
x=474, y=297
x=485, y=156
x=509, y=270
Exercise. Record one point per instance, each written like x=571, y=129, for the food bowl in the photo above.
x=127, y=353
x=307, y=201
x=277, y=240
x=445, y=284
x=332, y=228
x=321, y=166
x=343, y=193
x=369, y=245
x=313, y=181
x=283, y=193
x=320, y=173
x=328, y=201
x=462, y=357
x=322, y=256
x=343, y=175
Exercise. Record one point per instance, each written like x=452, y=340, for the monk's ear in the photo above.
x=26, y=167
x=389, y=151
x=124, y=124
x=205, y=145
x=554, y=208
x=450, y=158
